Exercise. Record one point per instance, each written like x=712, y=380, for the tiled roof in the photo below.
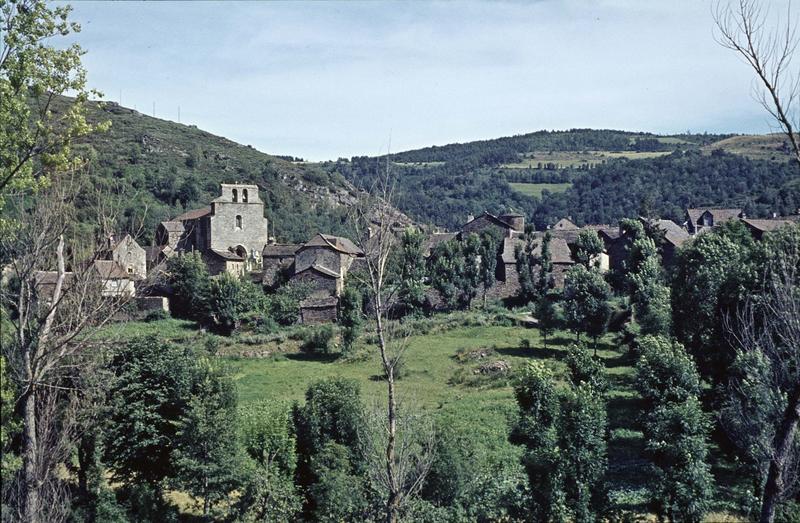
x=559, y=251
x=193, y=215
x=280, y=250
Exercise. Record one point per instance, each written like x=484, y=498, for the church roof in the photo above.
x=194, y=214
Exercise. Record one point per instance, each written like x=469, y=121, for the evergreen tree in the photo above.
x=538, y=430
x=675, y=429
x=411, y=272
x=206, y=456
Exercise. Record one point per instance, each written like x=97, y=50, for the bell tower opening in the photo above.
x=235, y=195
x=244, y=195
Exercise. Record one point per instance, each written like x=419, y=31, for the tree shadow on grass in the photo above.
x=626, y=359
x=623, y=412
x=321, y=358
x=539, y=353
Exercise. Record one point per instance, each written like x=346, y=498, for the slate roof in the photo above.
x=494, y=219
x=319, y=302
x=509, y=249
x=720, y=215
x=435, y=239
x=50, y=277
x=564, y=225
x=673, y=233
x=319, y=269
x=194, y=214
x=280, y=250
x=173, y=226
x=110, y=270
x=559, y=251
x=767, y=225
x=225, y=255
x=338, y=243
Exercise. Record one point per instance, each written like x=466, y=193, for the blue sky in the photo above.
x=328, y=79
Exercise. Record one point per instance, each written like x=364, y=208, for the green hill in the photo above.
x=595, y=176
x=159, y=168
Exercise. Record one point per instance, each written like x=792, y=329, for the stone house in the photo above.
x=509, y=224
x=230, y=233
x=115, y=281
x=706, y=218
x=128, y=255
x=276, y=257
x=322, y=263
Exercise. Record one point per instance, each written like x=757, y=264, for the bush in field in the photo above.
x=229, y=300
x=583, y=368
x=284, y=304
x=318, y=340
x=190, y=283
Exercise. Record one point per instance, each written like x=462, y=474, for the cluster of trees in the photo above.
x=563, y=432
x=672, y=183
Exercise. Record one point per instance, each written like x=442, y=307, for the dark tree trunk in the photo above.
x=784, y=441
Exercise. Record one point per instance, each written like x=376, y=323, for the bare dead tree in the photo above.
x=373, y=222
x=763, y=410
x=743, y=28
x=54, y=315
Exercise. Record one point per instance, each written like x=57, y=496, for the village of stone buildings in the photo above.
x=232, y=236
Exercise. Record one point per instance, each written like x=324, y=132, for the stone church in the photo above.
x=230, y=234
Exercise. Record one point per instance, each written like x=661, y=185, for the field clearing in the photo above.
x=571, y=159
x=771, y=147
x=535, y=189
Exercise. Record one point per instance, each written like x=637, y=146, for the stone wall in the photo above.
x=152, y=303
x=318, y=282
x=313, y=315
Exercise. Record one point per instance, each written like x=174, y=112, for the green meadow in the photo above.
x=442, y=376
x=535, y=189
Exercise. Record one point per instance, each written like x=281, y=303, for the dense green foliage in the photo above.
x=155, y=169
x=676, y=430
x=444, y=184
x=586, y=301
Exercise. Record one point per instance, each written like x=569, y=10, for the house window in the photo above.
x=130, y=270
x=244, y=195
x=235, y=196
x=238, y=221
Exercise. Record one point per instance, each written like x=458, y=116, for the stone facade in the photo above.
x=276, y=258
x=319, y=310
x=705, y=218
x=233, y=228
x=129, y=255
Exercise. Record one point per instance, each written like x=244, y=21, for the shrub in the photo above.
x=318, y=340
x=583, y=368
x=156, y=315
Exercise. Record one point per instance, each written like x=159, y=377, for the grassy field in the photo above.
x=440, y=377
x=535, y=189
x=571, y=159
x=759, y=147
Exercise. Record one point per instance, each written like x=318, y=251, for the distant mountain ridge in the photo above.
x=596, y=176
